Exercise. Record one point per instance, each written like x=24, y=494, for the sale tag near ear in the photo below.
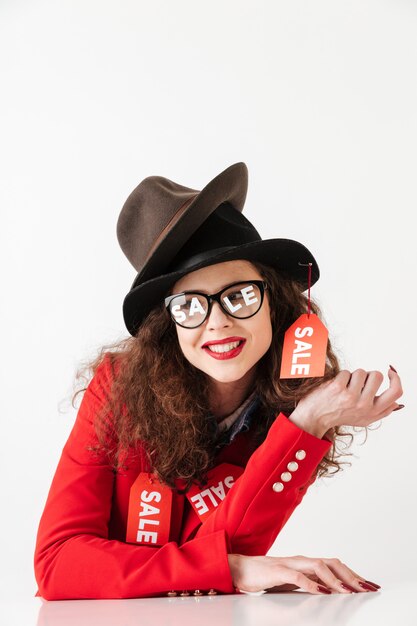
x=149, y=516
x=304, y=349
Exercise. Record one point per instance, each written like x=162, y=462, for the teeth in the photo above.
x=223, y=347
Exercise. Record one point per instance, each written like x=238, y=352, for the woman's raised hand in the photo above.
x=258, y=573
x=348, y=399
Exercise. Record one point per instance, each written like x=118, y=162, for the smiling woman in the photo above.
x=189, y=453
x=226, y=346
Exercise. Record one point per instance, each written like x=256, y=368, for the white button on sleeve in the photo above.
x=277, y=487
x=293, y=466
x=286, y=476
x=300, y=455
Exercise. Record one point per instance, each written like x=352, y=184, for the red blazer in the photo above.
x=81, y=550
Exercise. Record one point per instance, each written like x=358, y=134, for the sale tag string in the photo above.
x=309, y=283
x=305, y=344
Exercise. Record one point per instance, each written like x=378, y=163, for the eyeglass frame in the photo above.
x=261, y=284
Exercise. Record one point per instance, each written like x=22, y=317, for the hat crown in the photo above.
x=147, y=212
x=160, y=215
x=225, y=228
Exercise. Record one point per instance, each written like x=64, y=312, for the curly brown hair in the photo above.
x=176, y=428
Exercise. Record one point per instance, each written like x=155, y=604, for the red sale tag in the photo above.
x=149, y=516
x=304, y=349
x=220, y=481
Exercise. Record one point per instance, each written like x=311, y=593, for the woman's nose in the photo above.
x=217, y=317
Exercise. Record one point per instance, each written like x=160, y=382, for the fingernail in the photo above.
x=393, y=369
x=366, y=586
x=348, y=587
x=400, y=406
x=374, y=584
x=323, y=589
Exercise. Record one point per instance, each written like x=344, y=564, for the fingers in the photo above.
x=316, y=575
x=336, y=576
x=365, y=385
x=343, y=575
x=361, y=382
x=357, y=381
x=343, y=378
x=392, y=407
x=304, y=582
x=391, y=394
x=371, y=385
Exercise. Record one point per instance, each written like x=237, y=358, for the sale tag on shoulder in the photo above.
x=149, y=515
x=220, y=481
x=305, y=347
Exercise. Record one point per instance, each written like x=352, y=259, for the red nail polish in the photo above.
x=366, y=586
x=323, y=589
x=400, y=406
x=393, y=369
x=374, y=584
x=348, y=587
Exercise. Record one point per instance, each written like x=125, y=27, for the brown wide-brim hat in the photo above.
x=160, y=215
x=209, y=228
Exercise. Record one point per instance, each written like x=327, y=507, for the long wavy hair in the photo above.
x=160, y=399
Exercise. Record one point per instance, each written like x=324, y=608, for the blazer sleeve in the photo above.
x=75, y=559
x=274, y=482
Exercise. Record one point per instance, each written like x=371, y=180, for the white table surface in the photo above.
x=393, y=605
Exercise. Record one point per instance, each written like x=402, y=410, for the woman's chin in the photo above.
x=227, y=377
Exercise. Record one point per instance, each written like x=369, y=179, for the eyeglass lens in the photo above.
x=239, y=301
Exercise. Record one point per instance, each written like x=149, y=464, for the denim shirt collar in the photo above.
x=241, y=424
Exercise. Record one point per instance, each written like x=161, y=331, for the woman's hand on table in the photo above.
x=348, y=399
x=315, y=575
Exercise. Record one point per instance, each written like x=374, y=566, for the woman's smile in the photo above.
x=225, y=350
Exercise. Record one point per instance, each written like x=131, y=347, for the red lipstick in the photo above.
x=227, y=340
x=221, y=356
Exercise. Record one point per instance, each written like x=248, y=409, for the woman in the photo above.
x=189, y=453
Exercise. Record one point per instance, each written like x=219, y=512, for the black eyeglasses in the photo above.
x=241, y=300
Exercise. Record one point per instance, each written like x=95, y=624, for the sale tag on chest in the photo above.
x=304, y=349
x=220, y=480
x=149, y=515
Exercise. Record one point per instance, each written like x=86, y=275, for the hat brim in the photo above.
x=282, y=254
x=231, y=185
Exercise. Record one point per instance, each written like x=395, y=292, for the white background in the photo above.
x=319, y=99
